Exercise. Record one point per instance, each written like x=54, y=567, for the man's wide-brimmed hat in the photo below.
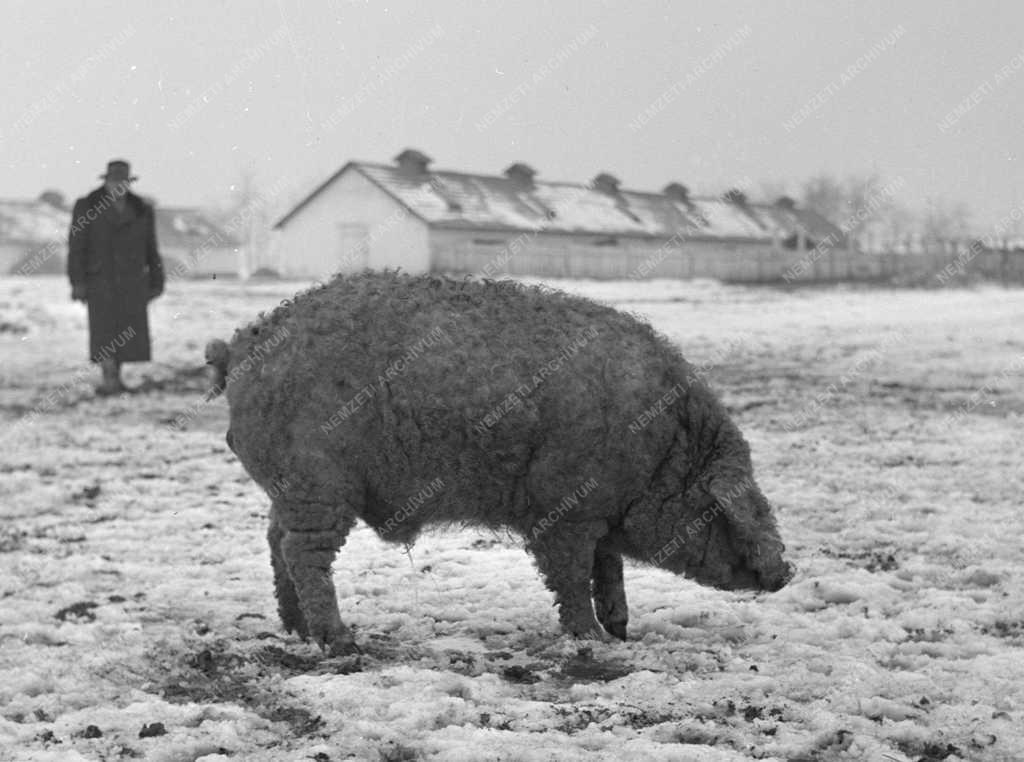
x=119, y=169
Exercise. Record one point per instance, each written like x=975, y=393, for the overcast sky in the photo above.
x=706, y=94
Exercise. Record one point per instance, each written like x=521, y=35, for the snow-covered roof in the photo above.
x=186, y=228
x=518, y=202
x=32, y=222
x=39, y=222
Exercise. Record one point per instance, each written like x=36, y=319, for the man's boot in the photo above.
x=111, y=383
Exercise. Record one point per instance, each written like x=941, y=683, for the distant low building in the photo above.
x=34, y=237
x=407, y=215
x=193, y=246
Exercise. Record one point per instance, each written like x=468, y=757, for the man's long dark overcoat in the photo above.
x=114, y=255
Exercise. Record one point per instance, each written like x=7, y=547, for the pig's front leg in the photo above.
x=609, y=590
x=565, y=557
x=308, y=547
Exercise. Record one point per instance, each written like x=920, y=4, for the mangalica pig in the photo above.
x=409, y=401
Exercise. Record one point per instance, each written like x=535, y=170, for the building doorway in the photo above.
x=353, y=248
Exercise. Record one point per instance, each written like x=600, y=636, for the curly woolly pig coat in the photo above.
x=407, y=401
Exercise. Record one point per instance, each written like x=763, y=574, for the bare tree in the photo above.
x=893, y=227
x=245, y=216
x=863, y=205
x=944, y=220
x=770, y=191
x=54, y=198
x=858, y=203
x=825, y=194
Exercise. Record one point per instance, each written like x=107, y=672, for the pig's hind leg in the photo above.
x=565, y=557
x=308, y=538
x=609, y=590
x=287, y=598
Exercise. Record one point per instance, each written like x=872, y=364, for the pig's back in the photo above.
x=511, y=396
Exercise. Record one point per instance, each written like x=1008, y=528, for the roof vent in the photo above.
x=609, y=185
x=735, y=196
x=606, y=183
x=677, y=192
x=521, y=174
x=412, y=162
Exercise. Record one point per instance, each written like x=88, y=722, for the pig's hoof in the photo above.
x=337, y=642
x=591, y=632
x=614, y=622
x=618, y=629
x=295, y=622
x=342, y=646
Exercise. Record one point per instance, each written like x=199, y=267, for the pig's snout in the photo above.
x=775, y=578
x=765, y=581
x=783, y=579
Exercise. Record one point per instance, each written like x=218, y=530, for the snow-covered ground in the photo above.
x=137, y=617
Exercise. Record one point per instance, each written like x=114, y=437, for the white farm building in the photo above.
x=409, y=216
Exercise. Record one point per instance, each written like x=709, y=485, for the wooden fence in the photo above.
x=744, y=264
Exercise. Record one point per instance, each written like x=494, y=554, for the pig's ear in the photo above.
x=730, y=490
x=750, y=520
x=733, y=500
x=217, y=357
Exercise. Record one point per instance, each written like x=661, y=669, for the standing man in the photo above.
x=116, y=270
